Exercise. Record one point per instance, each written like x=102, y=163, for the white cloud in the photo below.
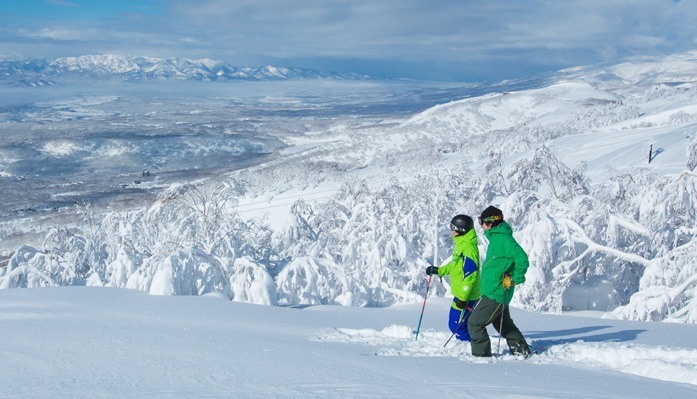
x=60, y=33
x=446, y=32
x=365, y=28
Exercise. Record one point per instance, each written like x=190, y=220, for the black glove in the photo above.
x=431, y=270
x=460, y=304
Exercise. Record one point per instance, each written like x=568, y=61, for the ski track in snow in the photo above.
x=657, y=362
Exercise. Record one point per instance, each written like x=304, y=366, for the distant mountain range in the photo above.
x=66, y=69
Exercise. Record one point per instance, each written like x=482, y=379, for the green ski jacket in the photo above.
x=463, y=268
x=503, y=256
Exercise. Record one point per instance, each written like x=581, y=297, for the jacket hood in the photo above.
x=470, y=236
x=503, y=229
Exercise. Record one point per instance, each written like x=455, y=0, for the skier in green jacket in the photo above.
x=504, y=268
x=463, y=270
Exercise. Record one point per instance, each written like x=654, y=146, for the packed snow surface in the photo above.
x=89, y=342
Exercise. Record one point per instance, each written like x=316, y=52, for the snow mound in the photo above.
x=657, y=362
x=398, y=340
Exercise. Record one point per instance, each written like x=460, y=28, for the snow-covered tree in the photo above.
x=692, y=154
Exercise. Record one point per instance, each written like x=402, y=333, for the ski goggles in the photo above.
x=457, y=229
x=489, y=219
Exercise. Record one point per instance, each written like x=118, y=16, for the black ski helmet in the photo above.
x=461, y=224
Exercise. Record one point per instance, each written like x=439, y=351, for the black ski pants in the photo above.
x=485, y=312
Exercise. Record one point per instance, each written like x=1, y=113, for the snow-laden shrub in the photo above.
x=120, y=269
x=368, y=244
x=545, y=172
x=692, y=154
x=567, y=247
x=251, y=282
x=667, y=205
x=668, y=288
x=27, y=269
x=185, y=272
x=314, y=281
x=63, y=260
x=384, y=238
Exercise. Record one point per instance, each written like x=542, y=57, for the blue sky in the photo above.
x=448, y=40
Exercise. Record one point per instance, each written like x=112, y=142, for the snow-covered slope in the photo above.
x=81, y=342
x=504, y=111
x=672, y=70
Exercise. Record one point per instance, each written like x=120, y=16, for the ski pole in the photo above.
x=503, y=307
x=428, y=286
